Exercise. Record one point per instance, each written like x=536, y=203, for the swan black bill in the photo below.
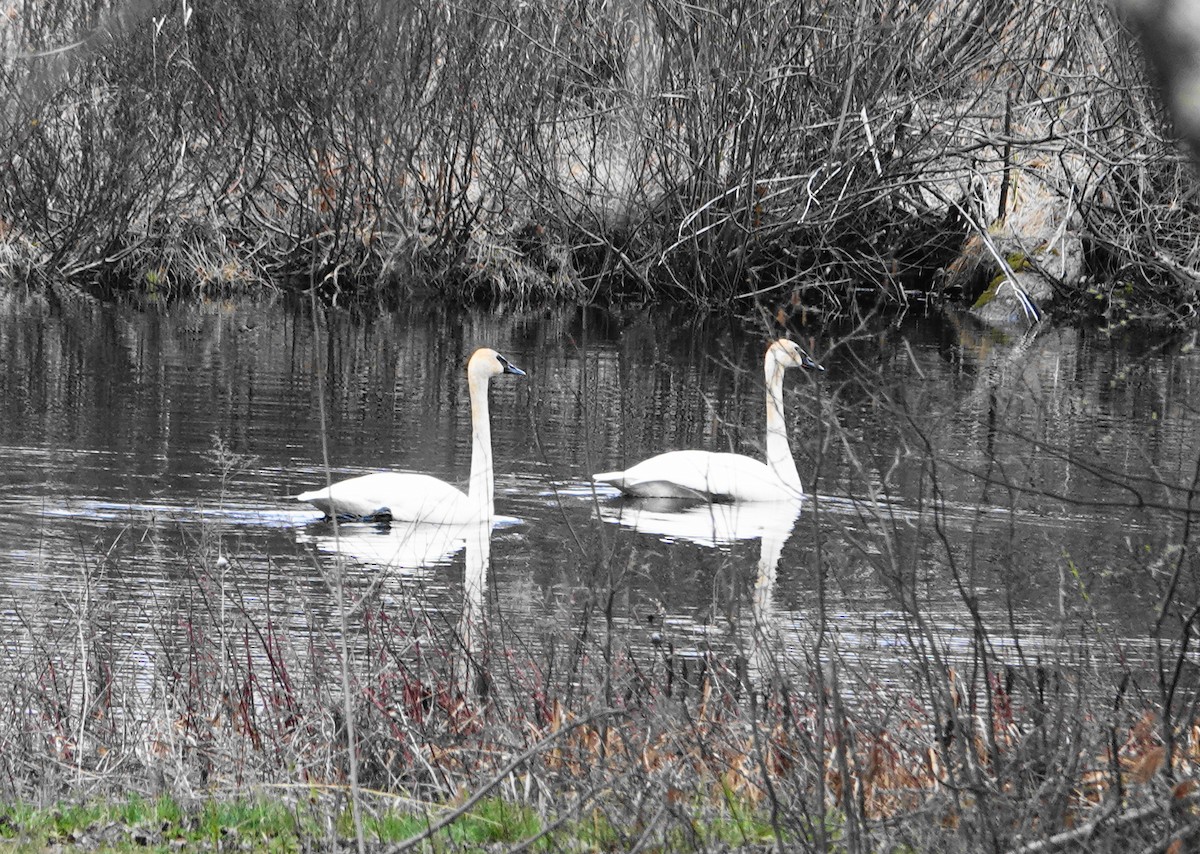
x=509, y=367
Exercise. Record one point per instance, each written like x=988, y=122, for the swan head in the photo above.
x=789, y=354
x=486, y=363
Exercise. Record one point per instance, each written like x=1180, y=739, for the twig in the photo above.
x=1060, y=840
x=338, y=587
x=1178, y=836
x=871, y=140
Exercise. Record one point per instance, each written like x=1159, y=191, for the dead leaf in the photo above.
x=1146, y=766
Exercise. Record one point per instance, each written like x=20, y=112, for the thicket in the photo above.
x=797, y=153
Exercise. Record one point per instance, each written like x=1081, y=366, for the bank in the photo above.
x=793, y=160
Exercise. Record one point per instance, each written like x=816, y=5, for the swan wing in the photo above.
x=702, y=475
x=403, y=496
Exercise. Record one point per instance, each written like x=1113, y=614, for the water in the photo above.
x=1041, y=481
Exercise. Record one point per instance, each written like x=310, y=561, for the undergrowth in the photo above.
x=825, y=157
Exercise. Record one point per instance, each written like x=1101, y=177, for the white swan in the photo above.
x=708, y=476
x=420, y=497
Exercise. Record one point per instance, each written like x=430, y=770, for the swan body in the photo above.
x=700, y=476
x=420, y=497
x=398, y=495
x=709, y=476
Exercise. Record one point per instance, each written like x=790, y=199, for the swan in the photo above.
x=708, y=476
x=421, y=497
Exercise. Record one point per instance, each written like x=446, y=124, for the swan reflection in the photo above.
x=416, y=545
x=471, y=669
x=704, y=523
x=402, y=545
x=765, y=644
x=712, y=525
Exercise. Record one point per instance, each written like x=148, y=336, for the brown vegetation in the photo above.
x=823, y=155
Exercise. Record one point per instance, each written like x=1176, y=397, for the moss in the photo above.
x=1018, y=261
x=990, y=293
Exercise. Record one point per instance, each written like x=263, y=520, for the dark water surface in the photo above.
x=1037, y=480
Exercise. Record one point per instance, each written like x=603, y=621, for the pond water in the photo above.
x=1039, y=481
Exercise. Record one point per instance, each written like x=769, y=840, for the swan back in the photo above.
x=701, y=476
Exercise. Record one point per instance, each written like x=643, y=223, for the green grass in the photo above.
x=262, y=824
x=492, y=821
x=138, y=824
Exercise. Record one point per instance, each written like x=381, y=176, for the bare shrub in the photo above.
x=752, y=149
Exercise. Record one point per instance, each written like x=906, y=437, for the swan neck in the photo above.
x=480, y=490
x=779, y=452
